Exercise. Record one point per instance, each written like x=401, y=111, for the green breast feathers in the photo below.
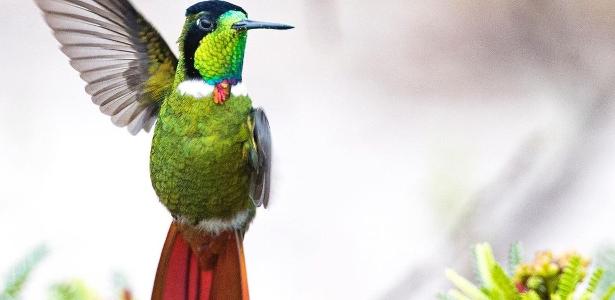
x=200, y=157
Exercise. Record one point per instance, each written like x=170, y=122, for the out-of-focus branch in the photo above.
x=554, y=40
x=515, y=204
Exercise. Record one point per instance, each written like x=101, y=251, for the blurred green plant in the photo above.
x=76, y=289
x=20, y=273
x=606, y=259
x=547, y=277
x=72, y=290
x=69, y=290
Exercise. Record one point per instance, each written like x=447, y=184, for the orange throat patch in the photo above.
x=222, y=92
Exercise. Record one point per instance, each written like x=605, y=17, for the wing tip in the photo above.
x=107, y=27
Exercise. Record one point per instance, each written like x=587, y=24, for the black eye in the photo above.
x=204, y=24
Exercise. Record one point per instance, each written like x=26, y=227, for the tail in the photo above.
x=196, y=265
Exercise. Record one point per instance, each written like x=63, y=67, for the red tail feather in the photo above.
x=195, y=265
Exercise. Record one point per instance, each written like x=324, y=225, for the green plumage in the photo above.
x=199, y=163
x=199, y=159
x=220, y=55
x=211, y=156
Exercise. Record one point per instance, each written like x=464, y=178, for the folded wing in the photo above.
x=260, y=159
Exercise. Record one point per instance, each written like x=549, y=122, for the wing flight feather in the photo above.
x=128, y=67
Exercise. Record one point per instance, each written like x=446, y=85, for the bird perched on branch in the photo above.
x=211, y=151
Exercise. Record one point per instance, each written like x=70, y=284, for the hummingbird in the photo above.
x=210, y=160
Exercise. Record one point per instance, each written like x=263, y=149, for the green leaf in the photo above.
x=20, y=274
x=570, y=278
x=494, y=294
x=531, y=295
x=71, y=290
x=514, y=258
x=609, y=293
x=503, y=283
x=465, y=286
x=605, y=258
x=484, y=263
x=594, y=280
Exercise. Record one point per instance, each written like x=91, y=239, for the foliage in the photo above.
x=547, y=277
x=70, y=290
x=20, y=274
x=77, y=290
x=606, y=259
x=514, y=258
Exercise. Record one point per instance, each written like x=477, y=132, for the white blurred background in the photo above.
x=405, y=132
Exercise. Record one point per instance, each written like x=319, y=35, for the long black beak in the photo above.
x=249, y=24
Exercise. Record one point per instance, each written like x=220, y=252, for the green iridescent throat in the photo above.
x=220, y=54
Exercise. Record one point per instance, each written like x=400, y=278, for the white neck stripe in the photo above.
x=199, y=89
x=217, y=225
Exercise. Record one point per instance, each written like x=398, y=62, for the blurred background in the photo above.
x=405, y=132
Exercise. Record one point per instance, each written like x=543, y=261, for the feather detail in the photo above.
x=128, y=67
x=260, y=159
x=198, y=265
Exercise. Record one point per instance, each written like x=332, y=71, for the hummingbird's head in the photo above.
x=213, y=41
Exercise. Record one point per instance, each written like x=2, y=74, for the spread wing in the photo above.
x=128, y=67
x=260, y=159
